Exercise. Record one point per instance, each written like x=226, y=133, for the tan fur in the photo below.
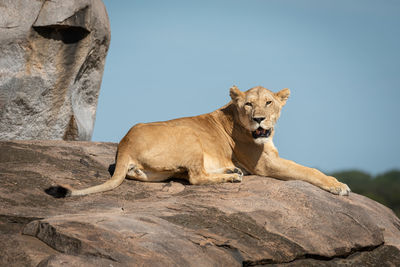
x=212, y=148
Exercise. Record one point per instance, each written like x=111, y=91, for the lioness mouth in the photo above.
x=260, y=132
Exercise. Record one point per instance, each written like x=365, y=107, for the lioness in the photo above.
x=212, y=148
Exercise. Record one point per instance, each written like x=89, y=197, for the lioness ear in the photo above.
x=283, y=95
x=235, y=93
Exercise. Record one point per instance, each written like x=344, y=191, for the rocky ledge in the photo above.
x=261, y=221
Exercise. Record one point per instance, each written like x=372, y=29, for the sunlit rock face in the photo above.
x=52, y=56
x=260, y=221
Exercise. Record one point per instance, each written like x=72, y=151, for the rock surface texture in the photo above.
x=52, y=56
x=261, y=221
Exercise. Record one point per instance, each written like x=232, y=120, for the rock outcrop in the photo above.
x=261, y=221
x=52, y=56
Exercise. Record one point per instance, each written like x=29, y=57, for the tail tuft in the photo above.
x=58, y=191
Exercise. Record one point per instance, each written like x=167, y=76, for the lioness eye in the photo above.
x=249, y=104
x=268, y=102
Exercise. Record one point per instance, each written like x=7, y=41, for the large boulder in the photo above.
x=52, y=56
x=261, y=221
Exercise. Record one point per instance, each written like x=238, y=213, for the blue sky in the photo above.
x=341, y=60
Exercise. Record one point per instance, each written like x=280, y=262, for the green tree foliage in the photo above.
x=384, y=188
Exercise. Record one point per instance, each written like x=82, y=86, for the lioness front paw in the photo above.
x=340, y=189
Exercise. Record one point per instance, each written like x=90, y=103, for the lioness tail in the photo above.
x=118, y=177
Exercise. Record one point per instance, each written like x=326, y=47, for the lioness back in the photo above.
x=175, y=142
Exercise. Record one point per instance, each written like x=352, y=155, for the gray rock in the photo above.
x=261, y=221
x=52, y=56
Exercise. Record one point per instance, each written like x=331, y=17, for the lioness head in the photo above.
x=258, y=110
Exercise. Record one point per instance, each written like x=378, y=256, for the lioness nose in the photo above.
x=258, y=119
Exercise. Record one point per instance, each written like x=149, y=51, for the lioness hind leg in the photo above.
x=146, y=176
x=214, y=178
x=228, y=171
x=135, y=173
